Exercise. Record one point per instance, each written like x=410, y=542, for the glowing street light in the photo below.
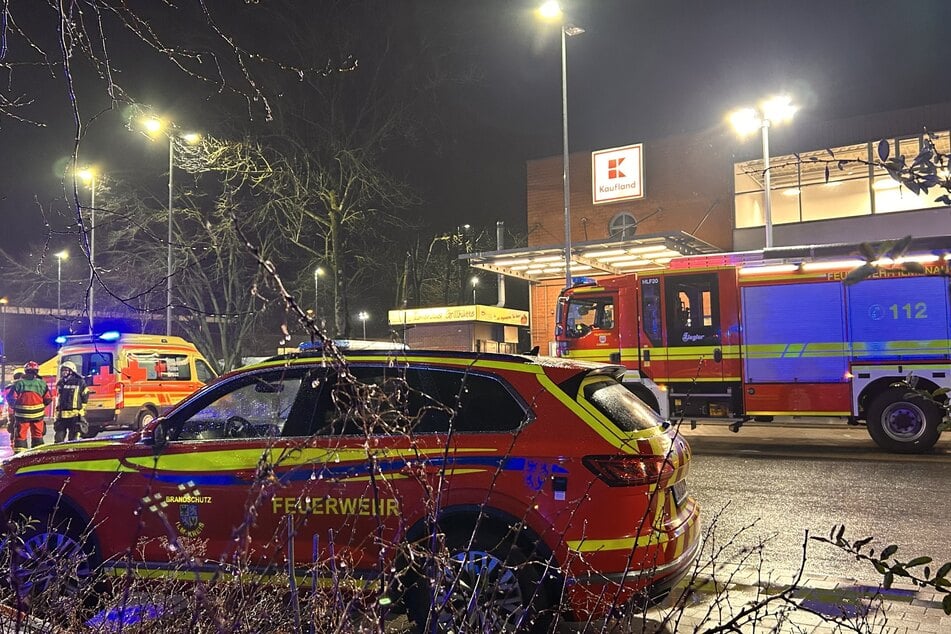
x=363, y=316
x=88, y=176
x=551, y=11
x=62, y=255
x=319, y=272
x=747, y=121
x=153, y=128
x=475, y=283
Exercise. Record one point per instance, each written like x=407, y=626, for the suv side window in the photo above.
x=422, y=400
x=257, y=405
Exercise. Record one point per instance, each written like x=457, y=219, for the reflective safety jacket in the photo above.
x=31, y=395
x=73, y=395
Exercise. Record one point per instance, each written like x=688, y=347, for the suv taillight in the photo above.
x=628, y=470
x=120, y=395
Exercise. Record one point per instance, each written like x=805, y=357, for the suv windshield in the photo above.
x=620, y=406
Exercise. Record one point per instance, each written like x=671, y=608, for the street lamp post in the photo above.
x=318, y=273
x=62, y=255
x=746, y=121
x=475, y=282
x=89, y=176
x=551, y=10
x=363, y=316
x=3, y=340
x=154, y=126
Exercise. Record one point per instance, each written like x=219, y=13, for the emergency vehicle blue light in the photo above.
x=60, y=340
x=111, y=335
x=582, y=280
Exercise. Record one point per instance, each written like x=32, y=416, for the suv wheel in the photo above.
x=490, y=586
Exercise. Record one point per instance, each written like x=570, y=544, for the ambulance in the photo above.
x=133, y=377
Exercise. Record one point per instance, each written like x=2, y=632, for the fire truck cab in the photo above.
x=717, y=337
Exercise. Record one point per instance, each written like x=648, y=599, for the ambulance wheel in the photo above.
x=145, y=416
x=488, y=586
x=901, y=422
x=49, y=561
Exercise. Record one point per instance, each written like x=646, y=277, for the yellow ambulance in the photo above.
x=133, y=377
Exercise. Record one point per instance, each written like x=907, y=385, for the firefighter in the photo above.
x=72, y=394
x=31, y=396
x=8, y=401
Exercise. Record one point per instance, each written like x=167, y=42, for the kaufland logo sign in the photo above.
x=618, y=174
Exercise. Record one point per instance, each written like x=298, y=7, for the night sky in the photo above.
x=641, y=70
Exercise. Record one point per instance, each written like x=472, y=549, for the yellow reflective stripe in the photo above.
x=626, y=543
x=102, y=466
x=121, y=570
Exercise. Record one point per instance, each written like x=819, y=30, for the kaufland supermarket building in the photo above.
x=639, y=204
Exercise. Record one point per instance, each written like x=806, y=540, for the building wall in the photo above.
x=688, y=186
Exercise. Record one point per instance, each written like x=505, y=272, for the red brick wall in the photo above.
x=684, y=176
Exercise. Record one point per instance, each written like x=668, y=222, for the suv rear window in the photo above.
x=425, y=397
x=620, y=406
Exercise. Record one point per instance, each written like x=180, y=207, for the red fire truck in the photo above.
x=740, y=336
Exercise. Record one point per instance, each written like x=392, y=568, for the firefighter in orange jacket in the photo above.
x=31, y=396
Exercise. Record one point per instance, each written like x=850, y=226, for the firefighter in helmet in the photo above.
x=72, y=394
x=31, y=396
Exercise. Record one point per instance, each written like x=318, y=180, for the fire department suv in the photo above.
x=734, y=336
x=553, y=488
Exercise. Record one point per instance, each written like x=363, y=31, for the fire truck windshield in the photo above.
x=589, y=313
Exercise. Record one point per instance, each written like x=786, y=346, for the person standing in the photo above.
x=31, y=396
x=69, y=422
x=8, y=401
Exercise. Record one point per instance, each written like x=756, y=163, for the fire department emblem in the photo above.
x=189, y=523
x=536, y=474
x=876, y=312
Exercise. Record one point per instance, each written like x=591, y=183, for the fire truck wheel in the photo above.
x=490, y=586
x=903, y=424
x=144, y=417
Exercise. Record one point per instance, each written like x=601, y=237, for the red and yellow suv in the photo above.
x=439, y=478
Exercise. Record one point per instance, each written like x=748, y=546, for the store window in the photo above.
x=823, y=184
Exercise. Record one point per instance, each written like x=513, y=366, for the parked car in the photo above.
x=547, y=481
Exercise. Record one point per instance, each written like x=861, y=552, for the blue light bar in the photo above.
x=60, y=340
x=110, y=335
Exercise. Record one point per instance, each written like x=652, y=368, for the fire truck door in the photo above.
x=692, y=314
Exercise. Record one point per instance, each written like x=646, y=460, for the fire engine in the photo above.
x=739, y=336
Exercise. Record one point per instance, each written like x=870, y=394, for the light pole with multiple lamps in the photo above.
x=551, y=11
x=747, y=121
x=363, y=316
x=62, y=255
x=154, y=126
x=88, y=175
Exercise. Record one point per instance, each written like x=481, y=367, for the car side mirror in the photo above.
x=159, y=436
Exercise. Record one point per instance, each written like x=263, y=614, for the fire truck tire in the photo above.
x=901, y=423
x=54, y=559
x=490, y=586
x=145, y=416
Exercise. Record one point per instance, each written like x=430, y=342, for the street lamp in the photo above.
x=88, y=176
x=363, y=316
x=475, y=282
x=153, y=127
x=318, y=273
x=746, y=121
x=62, y=255
x=551, y=11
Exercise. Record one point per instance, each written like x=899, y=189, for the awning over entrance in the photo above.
x=596, y=257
